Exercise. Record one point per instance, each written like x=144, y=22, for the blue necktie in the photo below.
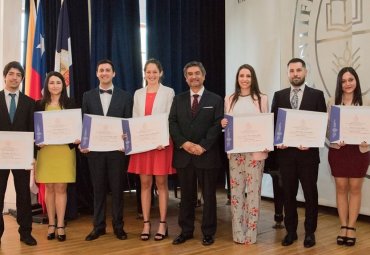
x=12, y=107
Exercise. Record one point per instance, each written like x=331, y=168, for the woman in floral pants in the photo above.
x=246, y=169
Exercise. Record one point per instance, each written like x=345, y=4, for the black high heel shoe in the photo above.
x=351, y=241
x=145, y=236
x=61, y=238
x=51, y=236
x=341, y=240
x=159, y=236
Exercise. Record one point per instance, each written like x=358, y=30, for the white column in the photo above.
x=10, y=50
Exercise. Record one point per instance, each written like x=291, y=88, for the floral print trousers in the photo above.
x=245, y=177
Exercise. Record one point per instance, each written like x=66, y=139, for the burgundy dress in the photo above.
x=348, y=161
x=154, y=162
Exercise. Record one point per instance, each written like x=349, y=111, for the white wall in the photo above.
x=326, y=34
x=10, y=40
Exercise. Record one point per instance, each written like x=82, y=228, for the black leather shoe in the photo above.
x=309, y=240
x=208, y=240
x=181, y=239
x=28, y=239
x=95, y=234
x=289, y=239
x=120, y=234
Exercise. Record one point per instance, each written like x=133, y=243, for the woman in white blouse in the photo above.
x=246, y=169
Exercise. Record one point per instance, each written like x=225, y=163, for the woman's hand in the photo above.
x=224, y=122
x=161, y=147
x=364, y=144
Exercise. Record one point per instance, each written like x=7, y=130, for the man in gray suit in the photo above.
x=16, y=114
x=107, y=167
x=194, y=123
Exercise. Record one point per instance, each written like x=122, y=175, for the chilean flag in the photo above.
x=63, y=51
x=38, y=71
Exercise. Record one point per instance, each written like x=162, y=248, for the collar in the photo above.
x=7, y=92
x=111, y=87
x=302, y=87
x=200, y=92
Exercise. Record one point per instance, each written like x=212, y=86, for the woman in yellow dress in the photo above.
x=56, y=164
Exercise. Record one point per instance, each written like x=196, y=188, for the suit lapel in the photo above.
x=305, y=97
x=286, y=97
x=3, y=106
x=96, y=98
x=114, y=99
x=20, y=106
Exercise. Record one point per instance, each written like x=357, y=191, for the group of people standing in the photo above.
x=195, y=126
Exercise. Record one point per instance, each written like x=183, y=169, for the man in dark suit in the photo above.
x=107, y=167
x=16, y=114
x=299, y=164
x=194, y=123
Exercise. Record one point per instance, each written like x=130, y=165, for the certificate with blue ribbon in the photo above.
x=249, y=133
x=101, y=133
x=349, y=124
x=57, y=127
x=295, y=128
x=16, y=150
x=145, y=133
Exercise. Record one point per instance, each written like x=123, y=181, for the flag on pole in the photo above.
x=30, y=39
x=38, y=70
x=63, y=51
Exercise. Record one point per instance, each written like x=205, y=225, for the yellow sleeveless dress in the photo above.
x=56, y=163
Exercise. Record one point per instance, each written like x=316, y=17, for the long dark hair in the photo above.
x=357, y=96
x=255, y=91
x=46, y=98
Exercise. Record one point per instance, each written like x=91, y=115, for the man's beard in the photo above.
x=297, y=84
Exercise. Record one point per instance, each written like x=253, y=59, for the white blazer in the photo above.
x=162, y=102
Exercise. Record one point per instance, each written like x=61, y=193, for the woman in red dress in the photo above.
x=154, y=98
x=348, y=163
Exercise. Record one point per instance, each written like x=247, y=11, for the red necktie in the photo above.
x=194, y=105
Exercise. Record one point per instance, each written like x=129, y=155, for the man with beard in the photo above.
x=299, y=164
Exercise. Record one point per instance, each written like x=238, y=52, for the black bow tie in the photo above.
x=109, y=91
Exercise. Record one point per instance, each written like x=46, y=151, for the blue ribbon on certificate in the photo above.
x=39, y=128
x=229, y=134
x=126, y=130
x=334, y=125
x=280, y=126
x=86, y=128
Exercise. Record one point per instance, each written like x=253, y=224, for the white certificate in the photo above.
x=145, y=133
x=101, y=133
x=297, y=128
x=57, y=127
x=350, y=124
x=250, y=133
x=16, y=150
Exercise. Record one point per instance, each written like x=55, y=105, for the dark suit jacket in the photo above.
x=204, y=129
x=23, y=118
x=312, y=100
x=120, y=105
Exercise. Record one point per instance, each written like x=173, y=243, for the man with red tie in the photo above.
x=194, y=124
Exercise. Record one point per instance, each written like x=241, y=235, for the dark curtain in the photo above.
x=179, y=31
x=51, y=14
x=115, y=35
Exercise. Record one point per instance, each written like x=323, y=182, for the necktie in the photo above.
x=194, y=105
x=12, y=107
x=109, y=91
x=294, y=100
